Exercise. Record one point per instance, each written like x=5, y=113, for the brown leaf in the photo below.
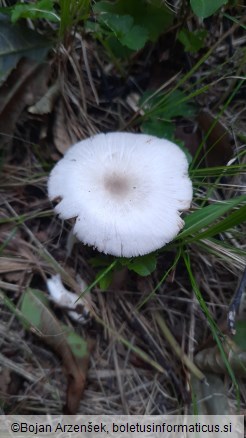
x=218, y=149
x=191, y=137
x=62, y=138
x=46, y=104
x=26, y=84
x=210, y=359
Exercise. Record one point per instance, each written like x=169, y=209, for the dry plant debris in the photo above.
x=133, y=368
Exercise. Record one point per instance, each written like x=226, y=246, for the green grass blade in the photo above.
x=205, y=216
x=214, y=329
x=234, y=219
x=212, y=172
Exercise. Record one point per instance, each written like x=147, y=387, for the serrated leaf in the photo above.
x=205, y=8
x=143, y=265
x=117, y=48
x=175, y=105
x=17, y=42
x=192, y=41
x=91, y=26
x=166, y=106
x=119, y=24
x=154, y=15
x=130, y=35
x=136, y=38
x=43, y=9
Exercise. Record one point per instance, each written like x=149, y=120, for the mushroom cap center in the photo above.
x=116, y=185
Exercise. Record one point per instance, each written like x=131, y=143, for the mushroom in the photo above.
x=78, y=309
x=125, y=190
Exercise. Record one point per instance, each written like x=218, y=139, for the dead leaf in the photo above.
x=70, y=347
x=210, y=359
x=190, y=136
x=218, y=149
x=26, y=84
x=46, y=104
x=14, y=277
x=62, y=138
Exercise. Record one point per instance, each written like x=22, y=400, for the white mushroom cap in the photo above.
x=125, y=190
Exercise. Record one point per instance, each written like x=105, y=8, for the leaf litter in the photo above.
x=132, y=367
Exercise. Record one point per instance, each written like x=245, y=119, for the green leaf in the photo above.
x=205, y=216
x=175, y=105
x=6, y=10
x=101, y=261
x=43, y=9
x=134, y=37
x=158, y=128
x=77, y=344
x=104, y=280
x=153, y=16
x=119, y=24
x=192, y=41
x=167, y=106
x=16, y=42
x=205, y=8
x=143, y=265
x=118, y=49
x=31, y=308
x=91, y=26
x=37, y=314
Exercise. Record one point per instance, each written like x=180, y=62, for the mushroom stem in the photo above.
x=71, y=240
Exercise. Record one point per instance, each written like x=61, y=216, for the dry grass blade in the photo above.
x=22, y=371
x=166, y=332
x=147, y=330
